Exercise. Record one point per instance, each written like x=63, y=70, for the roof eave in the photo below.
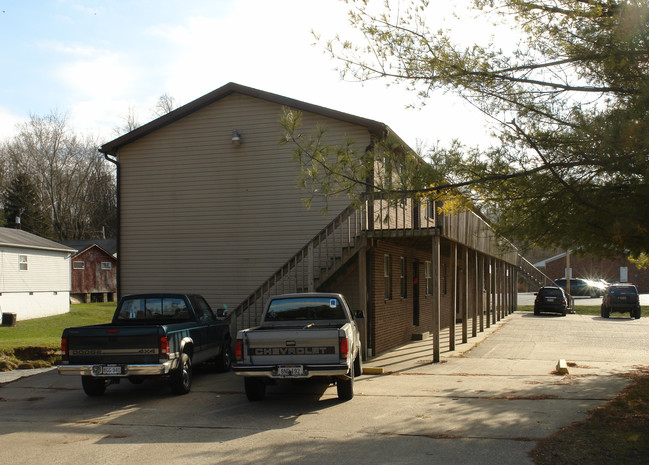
x=112, y=147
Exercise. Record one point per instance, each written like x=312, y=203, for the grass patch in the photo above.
x=616, y=432
x=46, y=332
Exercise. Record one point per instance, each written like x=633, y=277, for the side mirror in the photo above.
x=221, y=312
x=358, y=314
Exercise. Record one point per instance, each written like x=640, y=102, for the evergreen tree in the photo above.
x=21, y=201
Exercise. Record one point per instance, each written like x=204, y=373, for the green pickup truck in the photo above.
x=151, y=335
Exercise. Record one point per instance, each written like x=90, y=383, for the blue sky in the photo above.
x=93, y=60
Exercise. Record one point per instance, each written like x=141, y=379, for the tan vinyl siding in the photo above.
x=201, y=215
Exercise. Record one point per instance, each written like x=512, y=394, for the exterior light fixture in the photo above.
x=236, y=137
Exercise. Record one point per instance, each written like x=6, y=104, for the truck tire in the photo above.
x=93, y=386
x=255, y=388
x=224, y=359
x=605, y=311
x=358, y=365
x=181, y=378
x=345, y=387
x=637, y=313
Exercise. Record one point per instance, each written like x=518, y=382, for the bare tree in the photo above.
x=65, y=169
x=166, y=104
x=130, y=122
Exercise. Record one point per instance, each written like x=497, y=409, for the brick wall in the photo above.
x=391, y=320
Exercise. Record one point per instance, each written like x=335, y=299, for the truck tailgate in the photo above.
x=292, y=346
x=114, y=344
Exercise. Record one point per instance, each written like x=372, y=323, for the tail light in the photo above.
x=238, y=350
x=164, y=345
x=344, y=348
x=64, y=346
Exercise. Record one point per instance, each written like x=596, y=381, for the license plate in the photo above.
x=549, y=299
x=111, y=370
x=622, y=297
x=289, y=371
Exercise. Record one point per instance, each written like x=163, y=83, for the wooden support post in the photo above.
x=362, y=295
x=453, y=272
x=515, y=277
x=488, y=296
x=501, y=289
x=436, y=263
x=465, y=297
x=476, y=296
x=481, y=290
x=494, y=291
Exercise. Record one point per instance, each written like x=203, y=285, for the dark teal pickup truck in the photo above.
x=151, y=335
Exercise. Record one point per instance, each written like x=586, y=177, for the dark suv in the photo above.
x=621, y=298
x=550, y=299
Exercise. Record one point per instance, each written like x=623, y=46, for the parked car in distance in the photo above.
x=621, y=298
x=550, y=299
x=582, y=287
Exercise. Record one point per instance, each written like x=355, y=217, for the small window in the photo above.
x=429, y=278
x=22, y=262
x=79, y=265
x=624, y=274
x=106, y=266
x=430, y=205
x=202, y=308
x=387, y=276
x=403, y=278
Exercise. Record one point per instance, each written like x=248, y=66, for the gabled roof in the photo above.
x=107, y=245
x=543, y=263
x=19, y=238
x=112, y=147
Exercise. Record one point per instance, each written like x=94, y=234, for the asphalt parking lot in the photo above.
x=488, y=402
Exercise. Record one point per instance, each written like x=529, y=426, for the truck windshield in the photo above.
x=154, y=308
x=310, y=308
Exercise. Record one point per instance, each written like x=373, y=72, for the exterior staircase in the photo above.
x=311, y=266
x=343, y=237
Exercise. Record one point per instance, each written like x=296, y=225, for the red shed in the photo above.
x=94, y=274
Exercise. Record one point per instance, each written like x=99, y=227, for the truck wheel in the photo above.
x=345, y=386
x=181, y=378
x=93, y=386
x=637, y=313
x=605, y=311
x=224, y=360
x=358, y=365
x=255, y=388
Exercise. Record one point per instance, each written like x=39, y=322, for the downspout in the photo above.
x=119, y=232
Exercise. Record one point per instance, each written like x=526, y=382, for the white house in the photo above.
x=34, y=275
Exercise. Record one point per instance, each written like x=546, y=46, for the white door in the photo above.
x=624, y=274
